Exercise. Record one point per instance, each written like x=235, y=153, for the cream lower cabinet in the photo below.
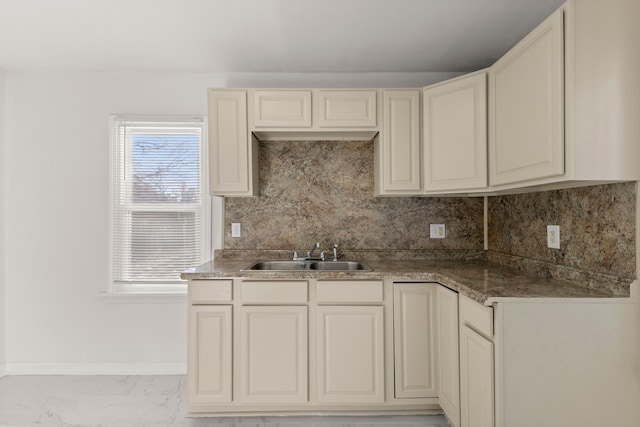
x=447, y=345
x=350, y=354
x=477, y=394
x=273, y=354
x=210, y=354
x=414, y=315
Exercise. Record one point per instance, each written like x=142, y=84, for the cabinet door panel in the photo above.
x=282, y=108
x=448, y=355
x=350, y=354
x=455, y=134
x=400, y=152
x=273, y=354
x=347, y=108
x=209, y=354
x=414, y=342
x=476, y=379
x=527, y=107
x=229, y=148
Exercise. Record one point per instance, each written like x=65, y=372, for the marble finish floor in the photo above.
x=137, y=401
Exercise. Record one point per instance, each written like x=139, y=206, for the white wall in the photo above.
x=2, y=231
x=56, y=201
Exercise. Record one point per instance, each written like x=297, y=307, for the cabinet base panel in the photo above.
x=254, y=411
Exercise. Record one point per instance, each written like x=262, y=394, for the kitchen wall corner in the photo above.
x=598, y=230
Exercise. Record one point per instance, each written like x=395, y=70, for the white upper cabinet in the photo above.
x=347, y=108
x=526, y=107
x=231, y=148
x=282, y=108
x=455, y=134
x=564, y=102
x=398, y=161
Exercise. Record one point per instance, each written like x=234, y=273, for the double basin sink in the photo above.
x=311, y=265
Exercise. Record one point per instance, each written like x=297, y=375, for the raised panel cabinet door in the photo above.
x=350, y=355
x=282, y=108
x=447, y=327
x=477, y=401
x=273, y=354
x=455, y=134
x=414, y=307
x=526, y=107
x=209, y=367
x=230, y=152
x=347, y=108
x=400, y=143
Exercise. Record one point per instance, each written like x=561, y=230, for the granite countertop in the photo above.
x=480, y=280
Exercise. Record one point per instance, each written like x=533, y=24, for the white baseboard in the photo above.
x=70, y=368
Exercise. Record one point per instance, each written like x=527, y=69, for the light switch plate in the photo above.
x=553, y=236
x=235, y=229
x=436, y=231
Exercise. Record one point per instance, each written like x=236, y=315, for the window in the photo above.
x=161, y=209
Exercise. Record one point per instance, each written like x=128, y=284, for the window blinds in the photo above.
x=159, y=199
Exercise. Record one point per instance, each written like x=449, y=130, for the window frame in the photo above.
x=151, y=287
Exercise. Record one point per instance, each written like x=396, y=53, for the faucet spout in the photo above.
x=312, y=250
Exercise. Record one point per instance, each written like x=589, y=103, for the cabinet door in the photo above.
x=347, y=108
x=414, y=341
x=209, y=354
x=350, y=354
x=448, y=356
x=282, y=108
x=455, y=134
x=230, y=152
x=399, y=153
x=476, y=379
x=273, y=354
x=526, y=110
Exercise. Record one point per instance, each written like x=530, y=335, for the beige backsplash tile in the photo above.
x=324, y=191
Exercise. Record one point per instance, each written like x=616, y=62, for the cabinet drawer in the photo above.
x=349, y=291
x=280, y=292
x=210, y=291
x=476, y=316
x=282, y=108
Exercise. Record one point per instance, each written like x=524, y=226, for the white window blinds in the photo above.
x=160, y=203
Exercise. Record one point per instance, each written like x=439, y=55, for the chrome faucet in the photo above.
x=309, y=256
x=335, y=251
x=312, y=250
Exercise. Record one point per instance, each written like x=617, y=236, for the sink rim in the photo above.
x=306, y=265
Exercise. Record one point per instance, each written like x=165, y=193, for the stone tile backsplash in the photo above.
x=597, y=230
x=324, y=191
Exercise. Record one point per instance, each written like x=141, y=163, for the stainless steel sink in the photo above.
x=286, y=265
x=338, y=266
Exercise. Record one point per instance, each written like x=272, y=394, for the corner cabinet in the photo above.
x=526, y=106
x=232, y=150
x=455, y=134
x=563, y=102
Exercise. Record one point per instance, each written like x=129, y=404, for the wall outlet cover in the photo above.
x=553, y=236
x=235, y=229
x=437, y=231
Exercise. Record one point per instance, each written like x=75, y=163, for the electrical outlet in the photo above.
x=235, y=229
x=553, y=236
x=436, y=231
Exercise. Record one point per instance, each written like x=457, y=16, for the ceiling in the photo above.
x=288, y=36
